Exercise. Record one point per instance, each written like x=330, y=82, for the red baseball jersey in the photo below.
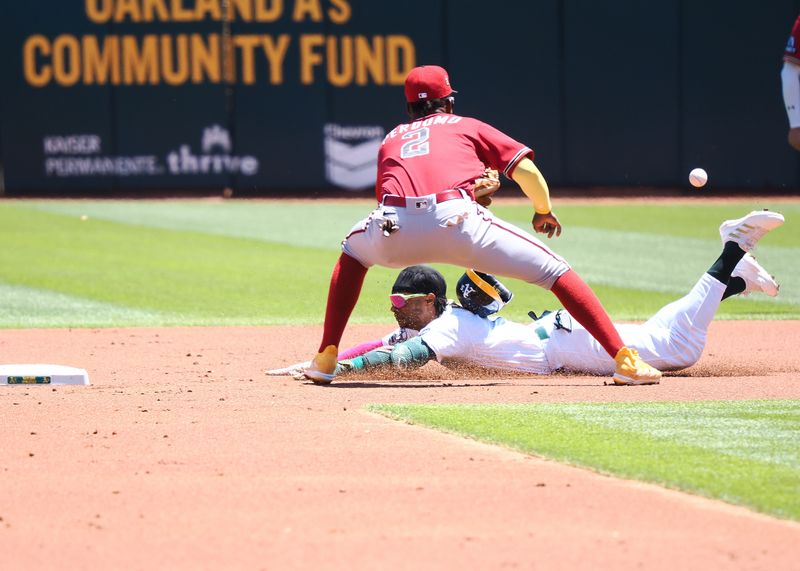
x=440, y=152
x=790, y=53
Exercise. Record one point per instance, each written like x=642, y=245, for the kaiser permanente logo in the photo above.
x=81, y=156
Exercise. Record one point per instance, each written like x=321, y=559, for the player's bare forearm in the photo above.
x=546, y=224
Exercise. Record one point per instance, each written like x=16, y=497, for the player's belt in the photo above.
x=394, y=200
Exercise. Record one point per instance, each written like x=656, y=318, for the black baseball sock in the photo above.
x=722, y=269
x=735, y=286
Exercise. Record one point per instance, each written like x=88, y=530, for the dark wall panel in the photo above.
x=41, y=123
x=734, y=121
x=280, y=122
x=620, y=92
x=282, y=127
x=173, y=123
x=508, y=71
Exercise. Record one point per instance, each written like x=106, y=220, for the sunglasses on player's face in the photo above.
x=399, y=300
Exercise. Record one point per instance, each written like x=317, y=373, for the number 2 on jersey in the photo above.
x=417, y=145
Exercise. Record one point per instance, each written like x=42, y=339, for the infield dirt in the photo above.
x=183, y=455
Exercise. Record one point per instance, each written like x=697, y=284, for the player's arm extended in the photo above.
x=532, y=183
x=406, y=355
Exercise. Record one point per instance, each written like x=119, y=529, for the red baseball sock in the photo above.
x=583, y=305
x=346, y=281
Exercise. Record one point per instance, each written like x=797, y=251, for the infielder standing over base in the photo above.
x=427, y=213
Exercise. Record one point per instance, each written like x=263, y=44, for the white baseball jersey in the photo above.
x=672, y=339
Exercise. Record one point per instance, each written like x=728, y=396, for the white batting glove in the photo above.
x=296, y=370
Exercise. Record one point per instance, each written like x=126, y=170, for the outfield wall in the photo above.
x=261, y=95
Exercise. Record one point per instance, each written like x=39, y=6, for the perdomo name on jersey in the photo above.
x=438, y=119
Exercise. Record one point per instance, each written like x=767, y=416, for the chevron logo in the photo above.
x=351, y=155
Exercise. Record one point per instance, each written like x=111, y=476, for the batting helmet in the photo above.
x=482, y=294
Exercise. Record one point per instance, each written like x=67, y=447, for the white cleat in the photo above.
x=755, y=277
x=748, y=230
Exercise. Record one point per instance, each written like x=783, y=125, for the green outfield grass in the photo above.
x=207, y=262
x=742, y=452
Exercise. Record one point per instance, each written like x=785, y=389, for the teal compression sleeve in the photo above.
x=406, y=355
x=411, y=354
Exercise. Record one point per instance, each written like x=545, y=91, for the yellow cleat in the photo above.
x=323, y=366
x=631, y=370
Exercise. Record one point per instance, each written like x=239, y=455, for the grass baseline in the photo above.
x=740, y=452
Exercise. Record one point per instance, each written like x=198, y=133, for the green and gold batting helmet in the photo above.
x=482, y=294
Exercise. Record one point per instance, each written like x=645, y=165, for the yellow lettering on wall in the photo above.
x=205, y=58
x=400, y=58
x=344, y=55
x=178, y=59
x=304, y=8
x=240, y=10
x=340, y=11
x=246, y=45
x=99, y=11
x=369, y=60
x=140, y=65
x=155, y=10
x=35, y=75
x=66, y=60
x=309, y=58
x=268, y=10
x=100, y=65
x=175, y=69
x=127, y=9
x=209, y=8
x=275, y=52
x=179, y=13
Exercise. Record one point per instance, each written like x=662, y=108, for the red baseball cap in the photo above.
x=427, y=82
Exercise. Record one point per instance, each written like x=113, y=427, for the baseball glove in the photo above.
x=485, y=186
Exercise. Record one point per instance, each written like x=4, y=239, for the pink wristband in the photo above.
x=360, y=349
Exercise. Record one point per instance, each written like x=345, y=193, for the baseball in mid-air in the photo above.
x=698, y=178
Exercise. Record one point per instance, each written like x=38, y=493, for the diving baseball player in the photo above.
x=673, y=338
x=427, y=212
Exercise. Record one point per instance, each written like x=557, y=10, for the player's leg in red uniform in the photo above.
x=345, y=288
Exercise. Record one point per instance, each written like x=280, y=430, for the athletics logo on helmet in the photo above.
x=482, y=294
x=427, y=82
